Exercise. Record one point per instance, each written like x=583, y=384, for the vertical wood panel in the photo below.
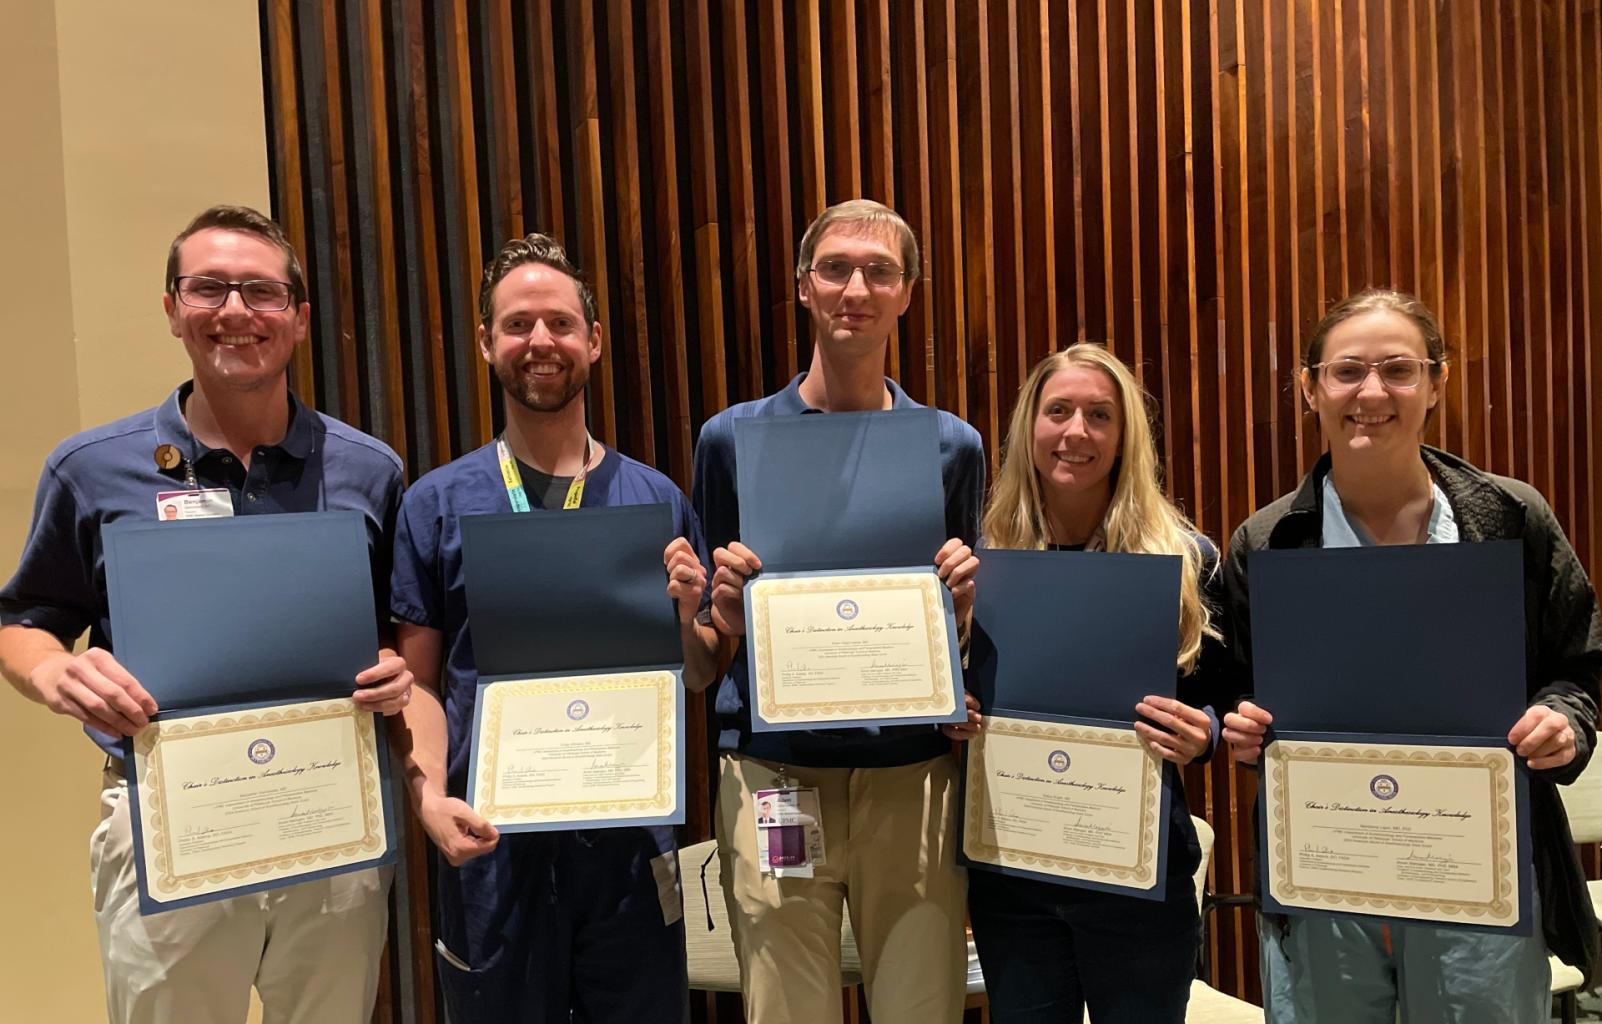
x=550, y=154
x=667, y=258
x=780, y=237
x=916, y=193
x=746, y=270
x=1193, y=180
x=704, y=215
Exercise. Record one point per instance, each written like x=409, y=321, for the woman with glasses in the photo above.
x=1373, y=373
x=1079, y=473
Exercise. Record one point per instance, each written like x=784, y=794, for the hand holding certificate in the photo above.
x=578, y=724
x=1366, y=808
x=259, y=771
x=849, y=623
x=1078, y=800
x=249, y=798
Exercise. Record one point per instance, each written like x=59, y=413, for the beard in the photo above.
x=544, y=396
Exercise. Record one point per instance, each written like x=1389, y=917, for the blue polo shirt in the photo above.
x=428, y=587
x=109, y=473
x=962, y=472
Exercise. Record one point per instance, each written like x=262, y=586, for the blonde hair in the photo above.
x=861, y=212
x=1140, y=518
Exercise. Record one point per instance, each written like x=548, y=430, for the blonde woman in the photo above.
x=1079, y=473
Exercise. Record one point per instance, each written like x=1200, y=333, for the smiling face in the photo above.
x=538, y=341
x=1371, y=418
x=1078, y=431
x=235, y=347
x=854, y=318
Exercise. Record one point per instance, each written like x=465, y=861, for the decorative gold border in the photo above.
x=1496, y=763
x=164, y=883
x=495, y=695
x=1143, y=875
x=942, y=695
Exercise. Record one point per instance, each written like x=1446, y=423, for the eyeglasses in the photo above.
x=210, y=293
x=875, y=275
x=1398, y=373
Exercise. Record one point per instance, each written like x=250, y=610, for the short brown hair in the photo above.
x=534, y=248
x=240, y=218
x=1377, y=300
x=861, y=211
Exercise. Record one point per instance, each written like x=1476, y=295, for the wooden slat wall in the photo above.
x=1193, y=180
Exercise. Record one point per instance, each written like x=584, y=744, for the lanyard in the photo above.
x=514, y=480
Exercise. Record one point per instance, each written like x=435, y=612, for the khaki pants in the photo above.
x=889, y=846
x=312, y=950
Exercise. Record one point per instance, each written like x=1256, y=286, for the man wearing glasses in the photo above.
x=232, y=441
x=886, y=796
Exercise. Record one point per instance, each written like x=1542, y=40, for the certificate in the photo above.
x=579, y=751
x=236, y=801
x=1070, y=802
x=1401, y=830
x=851, y=648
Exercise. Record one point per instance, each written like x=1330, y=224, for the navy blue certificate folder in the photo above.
x=1407, y=644
x=233, y=614
x=850, y=490
x=569, y=593
x=1083, y=634
x=1420, y=639
x=1074, y=637
x=247, y=610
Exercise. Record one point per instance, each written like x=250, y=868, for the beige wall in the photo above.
x=136, y=116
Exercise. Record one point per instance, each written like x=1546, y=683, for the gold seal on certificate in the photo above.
x=1078, y=802
x=238, y=798
x=848, y=648
x=1400, y=830
x=572, y=750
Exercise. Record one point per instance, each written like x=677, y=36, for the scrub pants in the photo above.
x=1049, y=951
x=1342, y=970
x=583, y=926
x=311, y=950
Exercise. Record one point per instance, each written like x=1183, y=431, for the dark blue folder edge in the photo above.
x=675, y=818
x=960, y=712
x=531, y=652
x=122, y=592
x=1156, y=893
x=1521, y=798
x=149, y=906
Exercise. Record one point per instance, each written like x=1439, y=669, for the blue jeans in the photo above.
x=1339, y=969
x=1051, y=951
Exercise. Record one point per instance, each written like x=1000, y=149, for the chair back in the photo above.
x=1582, y=801
x=1204, y=837
x=709, y=955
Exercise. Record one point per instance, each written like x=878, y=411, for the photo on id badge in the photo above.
x=789, y=833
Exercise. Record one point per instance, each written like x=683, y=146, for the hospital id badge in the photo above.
x=211, y=503
x=789, y=832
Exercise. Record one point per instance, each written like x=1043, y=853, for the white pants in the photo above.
x=311, y=950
